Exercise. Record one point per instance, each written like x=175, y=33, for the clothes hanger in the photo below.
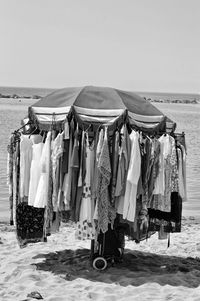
x=18, y=130
x=90, y=125
x=34, y=130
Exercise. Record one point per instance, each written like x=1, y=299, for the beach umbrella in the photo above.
x=98, y=105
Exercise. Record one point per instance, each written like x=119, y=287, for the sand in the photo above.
x=60, y=269
x=16, y=104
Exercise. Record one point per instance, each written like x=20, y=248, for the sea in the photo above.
x=186, y=116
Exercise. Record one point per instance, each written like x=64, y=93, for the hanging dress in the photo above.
x=42, y=189
x=85, y=226
x=106, y=212
x=35, y=172
x=57, y=147
x=167, y=180
x=124, y=158
x=25, y=164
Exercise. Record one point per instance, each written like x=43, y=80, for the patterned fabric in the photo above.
x=154, y=170
x=106, y=213
x=75, y=164
x=174, y=167
x=84, y=230
x=48, y=213
x=146, y=164
x=171, y=221
x=29, y=224
x=115, y=161
x=124, y=158
x=165, y=201
x=57, y=147
x=162, y=201
x=166, y=226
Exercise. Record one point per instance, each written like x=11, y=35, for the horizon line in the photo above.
x=136, y=91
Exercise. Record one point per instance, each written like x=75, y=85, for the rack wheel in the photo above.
x=99, y=263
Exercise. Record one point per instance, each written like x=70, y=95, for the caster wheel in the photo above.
x=99, y=264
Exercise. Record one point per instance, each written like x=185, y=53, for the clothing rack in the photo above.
x=99, y=256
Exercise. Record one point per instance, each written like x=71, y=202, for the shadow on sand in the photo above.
x=137, y=268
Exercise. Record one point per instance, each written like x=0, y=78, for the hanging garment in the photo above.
x=66, y=141
x=160, y=180
x=174, y=166
x=66, y=188
x=124, y=158
x=182, y=172
x=49, y=215
x=86, y=229
x=171, y=221
x=25, y=164
x=146, y=165
x=75, y=165
x=57, y=147
x=114, y=164
x=168, y=175
x=154, y=170
x=29, y=224
x=81, y=176
x=43, y=185
x=35, y=172
x=99, y=144
x=132, y=178
x=94, y=189
x=106, y=213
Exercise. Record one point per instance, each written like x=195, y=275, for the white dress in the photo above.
x=35, y=172
x=43, y=185
x=132, y=178
x=25, y=164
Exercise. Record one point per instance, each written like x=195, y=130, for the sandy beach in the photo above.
x=60, y=269
x=18, y=104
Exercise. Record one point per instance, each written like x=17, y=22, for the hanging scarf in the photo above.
x=106, y=213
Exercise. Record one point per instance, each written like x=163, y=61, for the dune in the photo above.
x=60, y=269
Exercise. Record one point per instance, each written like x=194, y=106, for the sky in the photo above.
x=137, y=45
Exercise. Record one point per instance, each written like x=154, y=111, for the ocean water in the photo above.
x=171, y=97
x=187, y=117
x=157, y=96
x=24, y=91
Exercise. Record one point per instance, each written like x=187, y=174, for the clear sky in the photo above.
x=140, y=45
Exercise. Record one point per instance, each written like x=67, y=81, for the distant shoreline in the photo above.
x=150, y=99
x=181, y=101
x=15, y=96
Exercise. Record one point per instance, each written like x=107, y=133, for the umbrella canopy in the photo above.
x=97, y=105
